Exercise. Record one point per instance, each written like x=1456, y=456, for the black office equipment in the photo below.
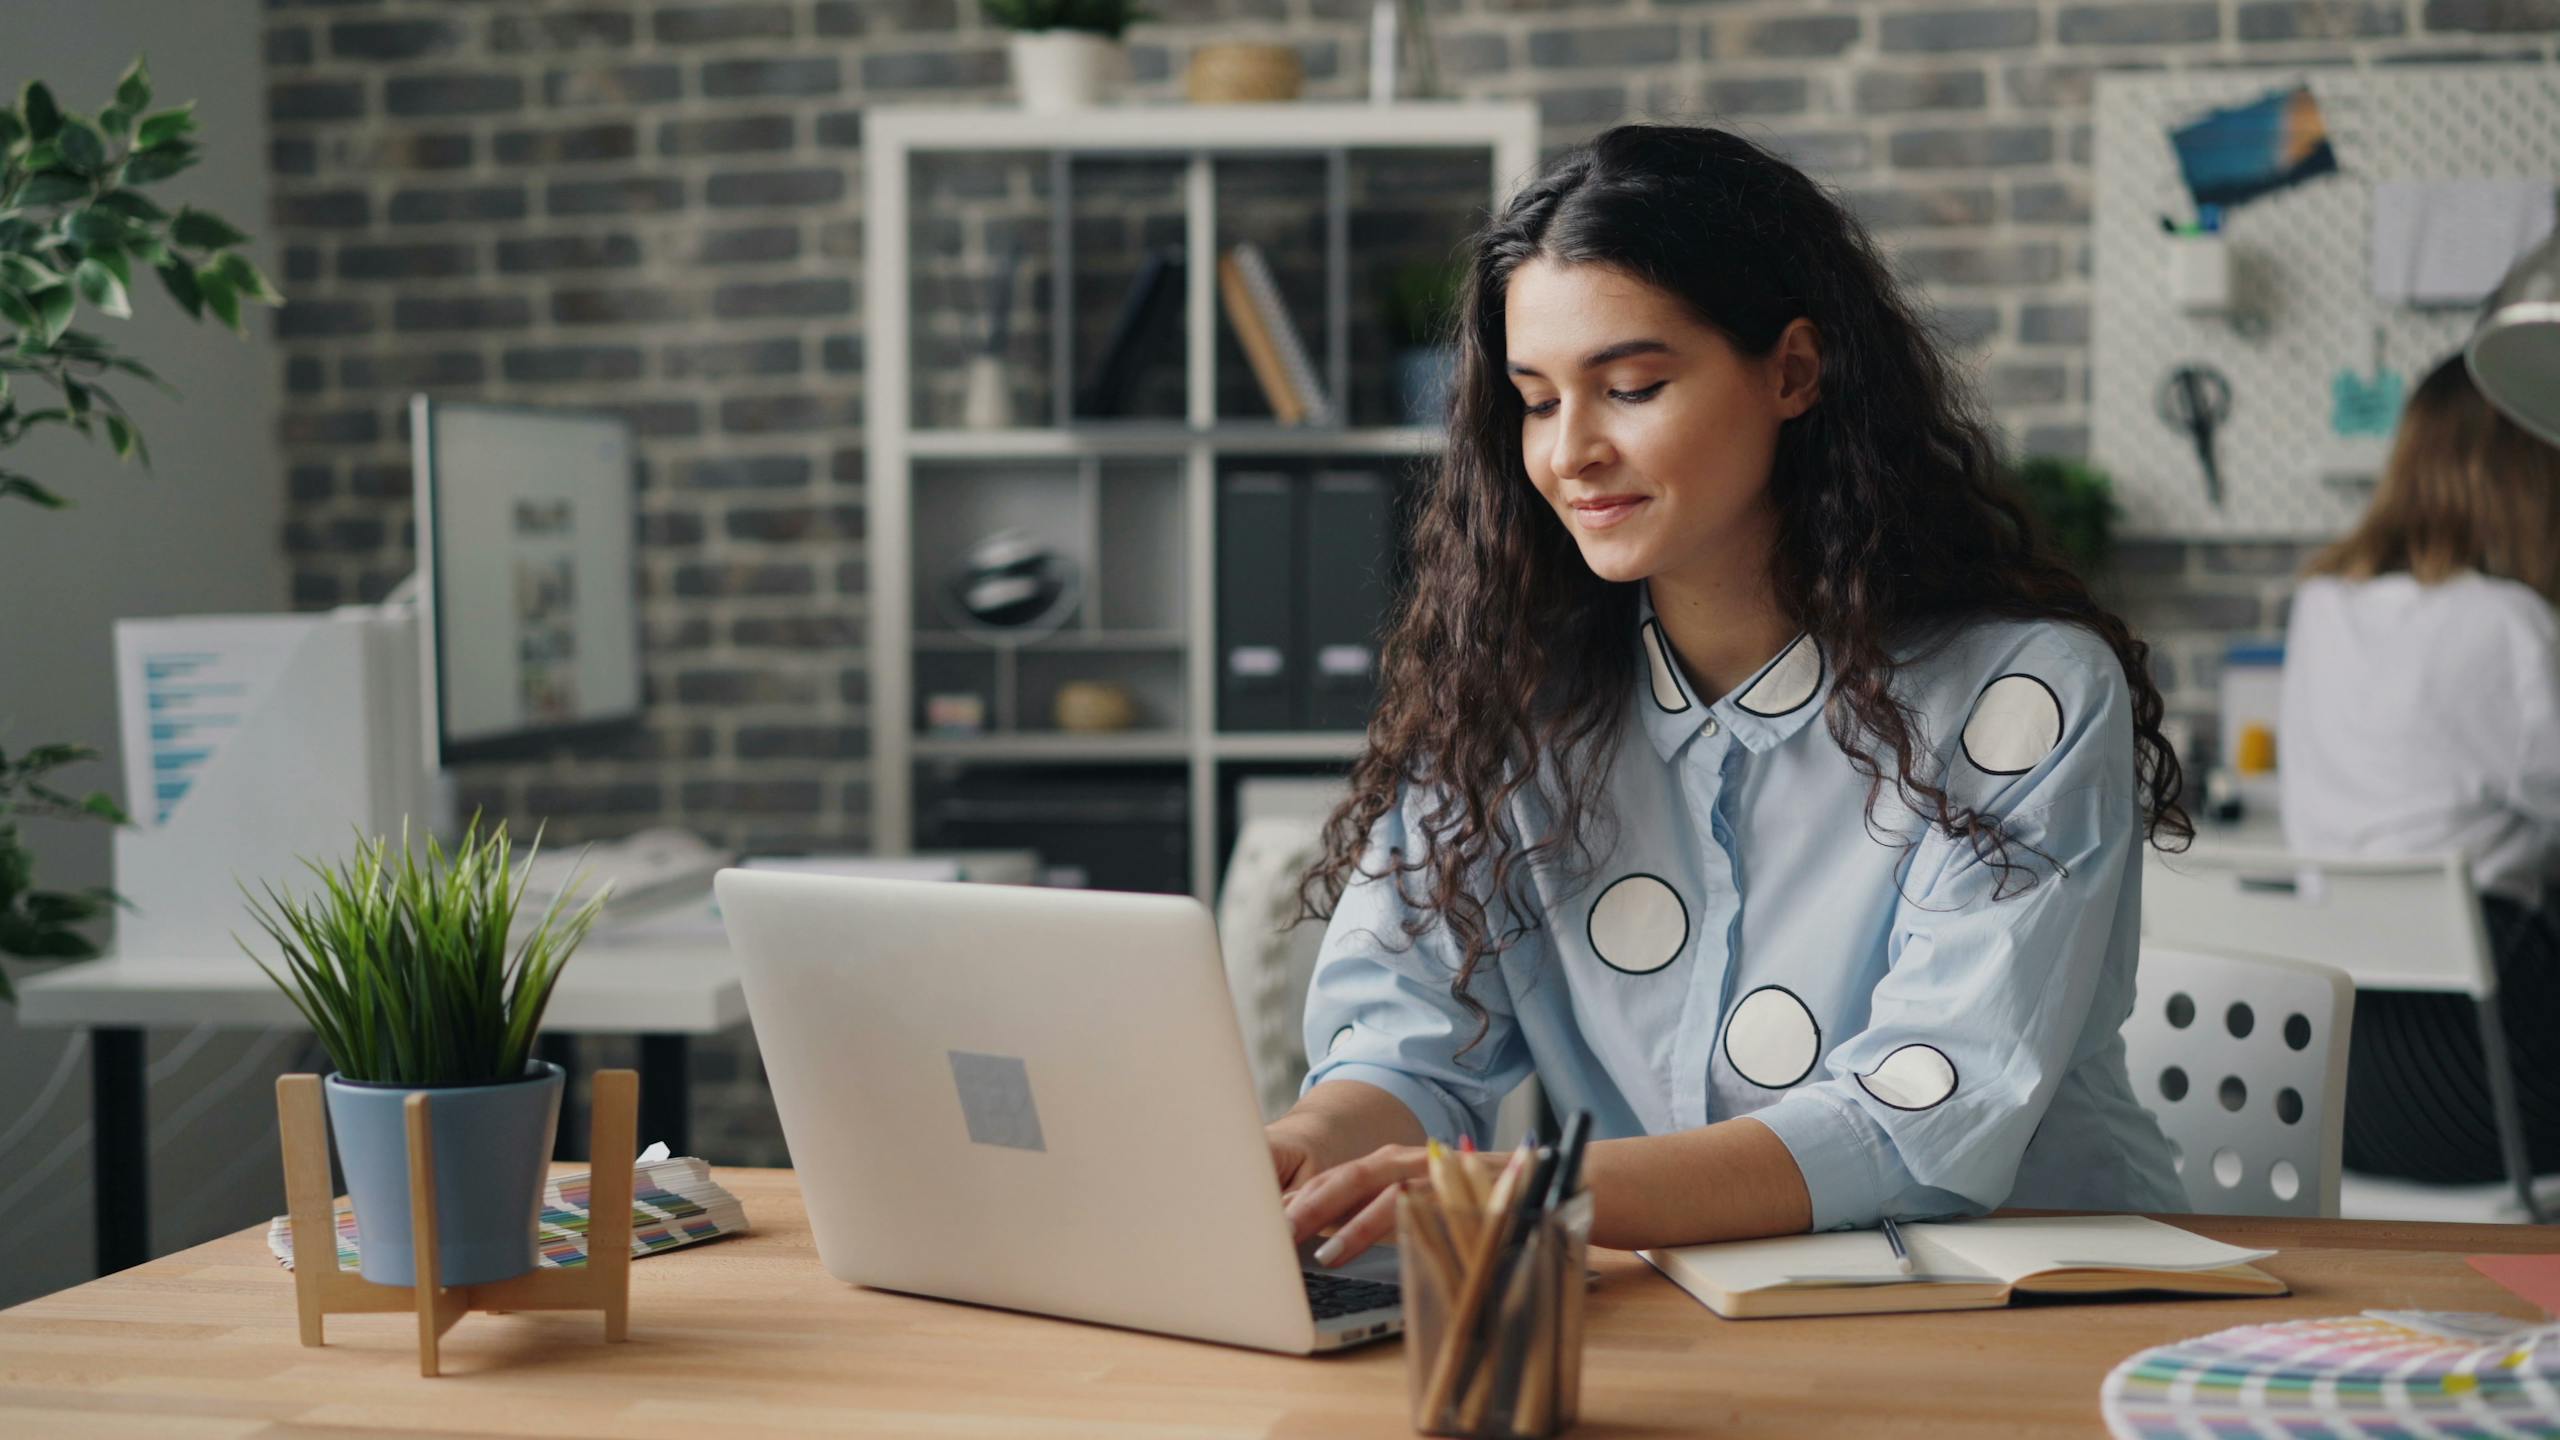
x=1344, y=588
x=1126, y=827
x=1258, y=640
x=1153, y=300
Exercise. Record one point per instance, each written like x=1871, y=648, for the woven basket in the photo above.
x=1235, y=74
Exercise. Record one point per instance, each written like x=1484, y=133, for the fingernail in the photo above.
x=1329, y=1252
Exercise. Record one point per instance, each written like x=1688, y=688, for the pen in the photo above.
x=1568, y=1169
x=1893, y=1237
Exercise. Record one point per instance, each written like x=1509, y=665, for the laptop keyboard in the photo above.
x=1334, y=1295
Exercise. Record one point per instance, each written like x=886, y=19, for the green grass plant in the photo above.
x=402, y=963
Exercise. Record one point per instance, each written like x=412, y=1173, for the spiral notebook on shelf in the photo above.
x=1961, y=1265
x=1270, y=339
x=674, y=1202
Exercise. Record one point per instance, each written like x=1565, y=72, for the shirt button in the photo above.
x=1710, y=728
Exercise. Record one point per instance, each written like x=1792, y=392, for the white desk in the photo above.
x=665, y=977
x=2259, y=828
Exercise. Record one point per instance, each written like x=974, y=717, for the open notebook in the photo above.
x=1961, y=1265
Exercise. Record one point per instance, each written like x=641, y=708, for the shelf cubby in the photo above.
x=1339, y=198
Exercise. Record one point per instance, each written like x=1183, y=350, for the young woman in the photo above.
x=2422, y=715
x=1742, y=768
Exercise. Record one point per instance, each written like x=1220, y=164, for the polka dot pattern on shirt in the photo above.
x=1914, y=1077
x=1788, y=683
x=1771, y=1039
x=2016, y=722
x=1639, y=924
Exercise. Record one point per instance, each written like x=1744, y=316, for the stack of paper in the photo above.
x=2449, y=242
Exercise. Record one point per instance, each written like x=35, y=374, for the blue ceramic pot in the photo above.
x=492, y=1149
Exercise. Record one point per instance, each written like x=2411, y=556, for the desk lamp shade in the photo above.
x=2515, y=353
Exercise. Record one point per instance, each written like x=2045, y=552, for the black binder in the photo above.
x=1345, y=588
x=1152, y=301
x=1258, y=644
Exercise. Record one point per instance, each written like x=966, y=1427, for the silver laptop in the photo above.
x=1031, y=1098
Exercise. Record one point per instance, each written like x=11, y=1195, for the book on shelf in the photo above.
x=1961, y=1265
x=1260, y=350
x=674, y=1202
x=1154, y=293
x=1270, y=314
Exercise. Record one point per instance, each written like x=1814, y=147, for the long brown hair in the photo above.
x=2466, y=489
x=1507, y=659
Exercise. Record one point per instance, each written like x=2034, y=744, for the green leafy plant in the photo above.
x=73, y=225
x=1101, y=17
x=2075, y=505
x=41, y=924
x=1421, y=296
x=403, y=967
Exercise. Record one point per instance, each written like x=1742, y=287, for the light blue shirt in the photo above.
x=1925, y=1038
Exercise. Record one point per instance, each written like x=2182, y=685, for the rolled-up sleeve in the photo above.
x=1380, y=1011
x=1990, y=983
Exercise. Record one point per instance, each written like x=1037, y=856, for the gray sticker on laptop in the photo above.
x=995, y=1095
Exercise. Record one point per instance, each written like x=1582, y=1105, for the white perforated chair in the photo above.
x=2244, y=1060
x=2399, y=924
x=1271, y=955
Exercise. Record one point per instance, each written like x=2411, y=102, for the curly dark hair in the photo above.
x=1508, y=659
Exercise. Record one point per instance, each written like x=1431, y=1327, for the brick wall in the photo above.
x=656, y=208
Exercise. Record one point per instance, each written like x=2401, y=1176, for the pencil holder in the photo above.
x=1492, y=1320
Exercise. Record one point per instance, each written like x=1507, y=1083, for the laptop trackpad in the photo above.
x=1378, y=1263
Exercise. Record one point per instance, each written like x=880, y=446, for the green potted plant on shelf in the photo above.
x=405, y=968
x=1420, y=304
x=74, y=224
x=2074, y=503
x=1065, y=53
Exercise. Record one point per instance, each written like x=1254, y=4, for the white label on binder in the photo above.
x=1254, y=660
x=1342, y=660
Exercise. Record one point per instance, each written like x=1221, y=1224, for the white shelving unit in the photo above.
x=1180, y=455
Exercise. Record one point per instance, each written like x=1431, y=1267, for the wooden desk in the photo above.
x=751, y=1337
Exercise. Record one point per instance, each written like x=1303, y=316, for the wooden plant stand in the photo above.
x=321, y=1289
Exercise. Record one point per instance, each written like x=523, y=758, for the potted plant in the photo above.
x=74, y=224
x=403, y=967
x=1065, y=53
x=1420, y=300
x=2074, y=504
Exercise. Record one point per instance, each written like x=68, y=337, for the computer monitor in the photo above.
x=529, y=625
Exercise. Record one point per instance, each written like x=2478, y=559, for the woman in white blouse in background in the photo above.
x=2422, y=715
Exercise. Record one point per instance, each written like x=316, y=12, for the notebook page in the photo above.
x=1833, y=1257
x=2014, y=1247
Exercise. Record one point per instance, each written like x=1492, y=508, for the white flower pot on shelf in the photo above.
x=1064, y=69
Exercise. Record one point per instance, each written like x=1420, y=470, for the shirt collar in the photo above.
x=1762, y=711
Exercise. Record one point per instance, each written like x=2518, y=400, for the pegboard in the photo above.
x=2301, y=262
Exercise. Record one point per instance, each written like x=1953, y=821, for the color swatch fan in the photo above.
x=2383, y=1373
x=674, y=1201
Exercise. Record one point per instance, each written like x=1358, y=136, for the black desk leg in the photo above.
x=120, y=1146
x=569, y=1141
x=666, y=1093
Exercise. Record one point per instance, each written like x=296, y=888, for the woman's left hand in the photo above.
x=1359, y=1197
